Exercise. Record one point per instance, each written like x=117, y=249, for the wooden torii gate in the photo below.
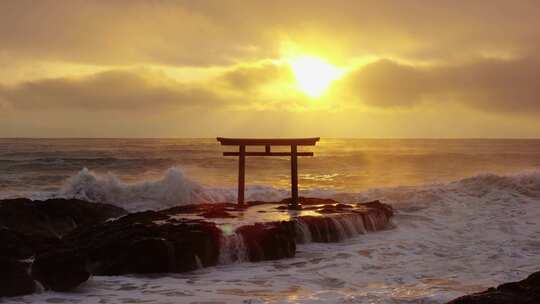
x=268, y=143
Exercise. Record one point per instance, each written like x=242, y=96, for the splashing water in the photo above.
x=457, y=229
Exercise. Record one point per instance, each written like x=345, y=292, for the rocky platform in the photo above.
x=526, y=291
x=32, y=230
x=69, y=240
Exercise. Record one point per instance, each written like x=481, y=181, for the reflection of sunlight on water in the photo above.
x=319, y=177
x=291, y=293
x=256, y=214
x=348, y=165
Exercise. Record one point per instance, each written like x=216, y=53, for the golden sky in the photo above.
x=270, y=68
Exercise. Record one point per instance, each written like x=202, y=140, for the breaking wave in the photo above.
x=449, y=239
x=174, y=188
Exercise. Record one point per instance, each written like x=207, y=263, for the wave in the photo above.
x=56, y=162
x=174, y=188
x=461, y=236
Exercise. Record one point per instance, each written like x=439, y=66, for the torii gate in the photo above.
x=268, y=143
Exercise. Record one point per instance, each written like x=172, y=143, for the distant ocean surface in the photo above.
x=40, y=168
x=467, y=214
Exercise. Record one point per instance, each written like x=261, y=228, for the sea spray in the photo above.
x=338, y=227
x=171, y=190
x=303, y=234
x=175, y=188
x=232, y=249
x=434, y=255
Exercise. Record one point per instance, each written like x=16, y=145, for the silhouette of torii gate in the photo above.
x=268, y=143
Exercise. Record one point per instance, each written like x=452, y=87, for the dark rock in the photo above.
x=14, y=278
x=202, y=208
x=334, y=208
x=322, y=229
x=269, y=241
x=60, y=270
x=215, y=210
x=150, y=255
x=30, y=228
x=53, y=217
x=377, y=205
x=376, y=215
x=526, y=291
x=154, y=241
x=339, y=221
x=18, y=245
x=216, y=213
x=307, y=201
x=147, y=242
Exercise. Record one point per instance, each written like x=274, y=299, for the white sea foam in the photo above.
x=174, y=188
x=449, y=239
x=233, y=249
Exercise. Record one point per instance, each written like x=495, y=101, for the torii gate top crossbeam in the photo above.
x=268, y=141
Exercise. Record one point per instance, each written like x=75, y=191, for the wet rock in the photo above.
x=147, y=242
x=53, y=217
x=377, y=205
x=339, y=221
x=160, y=241
x=322, y=229
x=375, y=214
x=60, y=270
x=203, y=208
x=331, y=208
x=307, y=201
x=526, y=291
x=14, y=278
x=142, y=255
x=17, y=245
x=216, y=213
x=30, y=228
x=269, y=241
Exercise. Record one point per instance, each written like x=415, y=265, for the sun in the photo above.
x=313, y=75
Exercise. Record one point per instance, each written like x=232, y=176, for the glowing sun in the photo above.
x=313, y=75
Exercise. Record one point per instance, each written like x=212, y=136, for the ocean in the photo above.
x=466, y=219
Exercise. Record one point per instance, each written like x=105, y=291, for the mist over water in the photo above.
x=466, y=215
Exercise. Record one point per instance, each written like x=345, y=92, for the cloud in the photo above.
x=249, y=77
x=206, y=33
x=111, y=90
x=121, y=33
x=490, y=85
x=244, y=86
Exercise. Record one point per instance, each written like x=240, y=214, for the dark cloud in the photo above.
x=112, y=90
x=135, y=89
x=489, y=85
x=119, y=32
x=509, y=86
x=251, y=77
x=216, y=32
